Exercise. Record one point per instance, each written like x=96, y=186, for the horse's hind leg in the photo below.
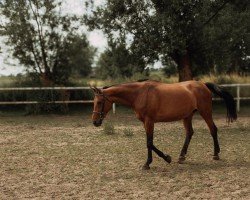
x=189, y=133
x=207, y=116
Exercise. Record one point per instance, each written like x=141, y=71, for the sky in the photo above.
x=96, y=38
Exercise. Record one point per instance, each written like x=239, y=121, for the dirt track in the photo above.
x=65, y=157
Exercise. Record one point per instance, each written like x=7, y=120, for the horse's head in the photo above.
x=102, y=105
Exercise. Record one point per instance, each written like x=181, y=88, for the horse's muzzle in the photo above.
x=97, y=123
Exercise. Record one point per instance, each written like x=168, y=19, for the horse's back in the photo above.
x=171, y=102
x=195, y=88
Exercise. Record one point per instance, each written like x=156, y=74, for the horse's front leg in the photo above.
x=149, y=126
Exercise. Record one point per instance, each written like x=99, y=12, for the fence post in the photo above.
x=113, y=108
x=238, y=98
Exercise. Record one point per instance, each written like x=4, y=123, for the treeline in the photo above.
x=189, y=38
x=46, y=41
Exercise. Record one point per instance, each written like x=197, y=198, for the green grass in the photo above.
x=8, y=81
x=159, y=76
x=108, y=128
x=128, y=132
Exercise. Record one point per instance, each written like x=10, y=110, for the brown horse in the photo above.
x=154, y=102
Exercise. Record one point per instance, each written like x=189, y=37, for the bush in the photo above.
x=43, y=96
x=128, y=132
x=108, y=129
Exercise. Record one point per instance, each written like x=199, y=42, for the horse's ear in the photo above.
x=93, y=88
x=97, y=90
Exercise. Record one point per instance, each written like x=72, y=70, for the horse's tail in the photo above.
x=228, y=98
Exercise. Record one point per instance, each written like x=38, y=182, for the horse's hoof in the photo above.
x=181, y=159
x=168, y=158
x=216, y=157
x=145, y=167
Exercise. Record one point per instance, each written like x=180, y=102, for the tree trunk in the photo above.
x=183, y=65
x=184, y=68
x=46, y=79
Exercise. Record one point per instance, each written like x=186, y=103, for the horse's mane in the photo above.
x=140, y=80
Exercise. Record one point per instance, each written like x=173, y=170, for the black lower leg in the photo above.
x=216, y=143
x=189, y=133
x=149, y=147
x=166, y=157
x=185, y=146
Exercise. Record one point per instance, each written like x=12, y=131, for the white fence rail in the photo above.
x=238, y=97
x=46, y=102
x=43, y=88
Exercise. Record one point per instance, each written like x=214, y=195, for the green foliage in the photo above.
x=169, y=68
x=117, y=61
x=128, y=132
x=227, y=43
x=203, y=34
x=8, y=81
x=81, y=55
x=41, y=96
x=109, y=129
x=45, y=40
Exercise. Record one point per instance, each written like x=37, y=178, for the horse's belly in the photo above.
x=172, y=117
x=174, y=109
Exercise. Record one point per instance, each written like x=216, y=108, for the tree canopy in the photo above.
x=45, y=40
x=118, y=61
x=190, y=37
x=192, y=33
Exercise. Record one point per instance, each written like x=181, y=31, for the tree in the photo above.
x=227, y=38
x=80, y=55
x=43, y=39
x=172, y=29
x=118, y=61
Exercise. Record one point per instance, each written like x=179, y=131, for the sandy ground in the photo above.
x=65, y=157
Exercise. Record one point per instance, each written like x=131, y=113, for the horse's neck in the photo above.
x=122, y=94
